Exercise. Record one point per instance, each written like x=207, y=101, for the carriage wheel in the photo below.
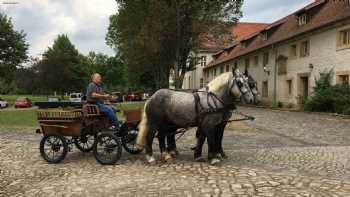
x=107, y=149
x=53, y=148
x=85, y=143
x=129, y=141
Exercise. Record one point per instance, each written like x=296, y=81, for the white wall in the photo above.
x=324, y=54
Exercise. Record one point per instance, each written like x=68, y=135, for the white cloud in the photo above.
x=268, y=11
x=85, y=22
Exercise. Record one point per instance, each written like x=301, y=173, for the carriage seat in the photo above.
x=91, y=110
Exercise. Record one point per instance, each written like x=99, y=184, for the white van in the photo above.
x=75, y=97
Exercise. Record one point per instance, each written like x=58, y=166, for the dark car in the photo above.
x=23, y=103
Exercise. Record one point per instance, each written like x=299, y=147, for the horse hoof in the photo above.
x=168, y=157
x=199, y=159
x=150, y=159
x=215, y=161
x=174, y=153
x=223, y=155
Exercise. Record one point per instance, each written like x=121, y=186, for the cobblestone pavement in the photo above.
x=279, y=154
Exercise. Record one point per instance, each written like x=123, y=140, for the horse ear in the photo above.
x=246, y=73
x=236, y=72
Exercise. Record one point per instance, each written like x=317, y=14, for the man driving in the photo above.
x=95, y=95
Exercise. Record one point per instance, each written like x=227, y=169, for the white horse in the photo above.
x=176, y=109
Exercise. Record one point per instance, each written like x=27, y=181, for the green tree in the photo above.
x=159, y=35
x=13, y=50
x=60, y=68
x=112, y=69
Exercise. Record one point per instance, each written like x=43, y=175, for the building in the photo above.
x=286, y=56
x=210, y=45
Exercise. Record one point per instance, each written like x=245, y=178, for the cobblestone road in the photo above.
x=279, y=154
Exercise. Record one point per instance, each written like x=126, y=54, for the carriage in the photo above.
x=64, y=124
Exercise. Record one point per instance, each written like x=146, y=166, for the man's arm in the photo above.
x=100, y=95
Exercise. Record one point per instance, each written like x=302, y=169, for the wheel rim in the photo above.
x=86, y=142
x=53, y=148
x=107, y=148
x=131, y=140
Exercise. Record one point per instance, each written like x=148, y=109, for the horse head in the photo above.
x=253, y=87
x=240, y=87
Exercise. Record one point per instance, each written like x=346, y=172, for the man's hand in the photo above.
x=107, y=97
x=102, y=96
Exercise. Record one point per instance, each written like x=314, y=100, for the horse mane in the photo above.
x=216, y=84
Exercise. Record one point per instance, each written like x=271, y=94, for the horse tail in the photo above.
x=143, y=130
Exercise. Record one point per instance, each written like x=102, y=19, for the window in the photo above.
x=264, y=36
x=203, y=61
x=290, y=87
x=266, y=59
x=256, y=60
x=227, y=68
x=265, y=89
x=235, y=66
x=247, y=63
x=344, y=38
x=207, y=74
x=343, y=79
x=221, y=69
x=201, y=83
x=305, y=49
x=282, y=65
x=214, y=72
x=303, y=19
x=293, y=51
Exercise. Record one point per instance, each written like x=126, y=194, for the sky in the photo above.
x=86, y=21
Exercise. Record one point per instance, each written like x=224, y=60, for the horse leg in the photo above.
x=149, y=150
x=162, y=148
x=198, y=149
x=172, y=145
x=220, y=134
x=213, y=146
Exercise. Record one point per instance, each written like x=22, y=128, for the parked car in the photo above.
x=145, y=96
x=132, y=97
x=116, y=97
x=23, y=103
x=75, y=97
x=53, y=99
x=3, y=103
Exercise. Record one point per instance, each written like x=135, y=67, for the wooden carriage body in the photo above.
x=70, y=122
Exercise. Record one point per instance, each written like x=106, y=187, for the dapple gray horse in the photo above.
x=168, y=107
x=221, y=127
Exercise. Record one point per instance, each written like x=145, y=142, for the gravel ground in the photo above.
x=279, y=154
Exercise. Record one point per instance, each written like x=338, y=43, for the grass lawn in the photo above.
x=36, y=98
x=18, y=118
x=27, y=118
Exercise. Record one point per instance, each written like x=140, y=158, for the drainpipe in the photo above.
x=275, y=50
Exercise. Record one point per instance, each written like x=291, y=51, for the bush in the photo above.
x=327, y=98
x=278, y=104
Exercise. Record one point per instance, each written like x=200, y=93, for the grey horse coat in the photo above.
x=179, y=108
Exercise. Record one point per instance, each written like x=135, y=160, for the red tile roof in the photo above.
x=237, y=31
x=321, y=13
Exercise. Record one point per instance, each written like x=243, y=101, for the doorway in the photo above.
x=304, y=86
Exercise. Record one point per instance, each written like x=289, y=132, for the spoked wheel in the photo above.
x=85, y=143
x=129, y=141
x=107, y=148
x=53, y=148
